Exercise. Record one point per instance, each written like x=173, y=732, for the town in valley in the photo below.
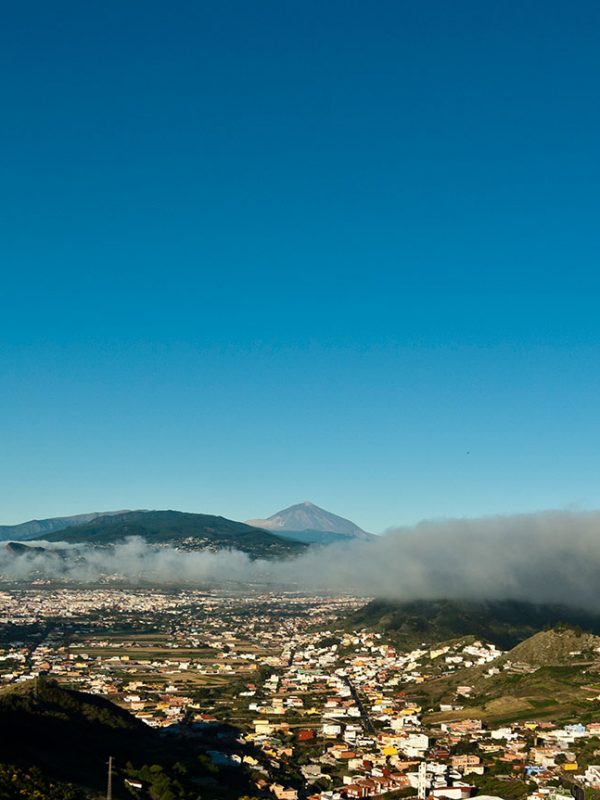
x=281, y=687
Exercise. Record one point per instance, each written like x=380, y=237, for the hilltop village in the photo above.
x=306, y=706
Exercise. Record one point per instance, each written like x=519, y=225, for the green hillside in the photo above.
x=194, y=531
x=551, y=670
x=553, y=675
x=504, y=622
x=555, y=647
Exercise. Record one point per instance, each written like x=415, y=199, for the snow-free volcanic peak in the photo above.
x=307, y=516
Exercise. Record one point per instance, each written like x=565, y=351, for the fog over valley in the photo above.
x=546, y=557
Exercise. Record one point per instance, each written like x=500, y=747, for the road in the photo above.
x=364, y=714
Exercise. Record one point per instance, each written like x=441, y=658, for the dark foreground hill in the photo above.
x=504, y=622
x=68, y=735
x=193, y=531
x=57, y=742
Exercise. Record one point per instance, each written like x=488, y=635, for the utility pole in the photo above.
x=422, y=781
x=110, y=776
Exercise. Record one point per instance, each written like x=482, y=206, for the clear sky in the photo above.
x=260, y=252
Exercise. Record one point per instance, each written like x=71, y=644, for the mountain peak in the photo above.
x=306, y=516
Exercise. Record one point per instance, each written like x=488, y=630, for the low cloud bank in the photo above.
x=545, y=557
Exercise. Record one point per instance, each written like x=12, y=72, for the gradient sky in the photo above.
x=256, y=253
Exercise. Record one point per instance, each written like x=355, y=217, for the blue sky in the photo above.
x=256, y=253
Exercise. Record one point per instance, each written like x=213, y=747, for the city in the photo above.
x=312, y=708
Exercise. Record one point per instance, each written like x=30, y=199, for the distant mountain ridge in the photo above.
x=305, y=523
x=35, y=527
x=190, y=531
x=311, y=524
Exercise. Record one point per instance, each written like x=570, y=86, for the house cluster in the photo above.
x=340, y=706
